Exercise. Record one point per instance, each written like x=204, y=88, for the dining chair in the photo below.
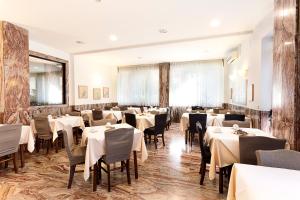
x=238, y=117
x=249, y=144
x=157, y=130
x=76, y=154
x=97, y=114
x=204, y=150
x=118, y=147
x=115, y=108
x=282, y=158
x=197, y=108
x=169, y=119
x=130, y=119
x=74, y=113
x=76, y=130
x=9, y=142
x=44, y=134
x=103, y=122
x=241, y=124
x=107, y=107
x=193, y=119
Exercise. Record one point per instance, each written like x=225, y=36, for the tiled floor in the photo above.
x=171, y=172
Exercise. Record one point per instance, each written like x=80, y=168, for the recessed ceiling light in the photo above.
x=79, y=42
x=113, y=37
x=98, y=1
x=162, y=30
x=215, y=23
x=139, y=57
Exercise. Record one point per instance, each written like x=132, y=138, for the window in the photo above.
x=46, y=82
x=197, y=83
x=138, y=85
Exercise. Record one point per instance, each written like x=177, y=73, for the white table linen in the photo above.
x=59, y=123
x=112, y=114
x=96, y=144
x=248, y=182
x=137, y=110
x=224, y=146
x=212, y=120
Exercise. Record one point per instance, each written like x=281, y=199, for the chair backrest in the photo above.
x=201, y=131
x=249, y=144
x=194, y=118
x=118, y=144
x=9, y=139
x=103, y=122
x=282, y=158
x=160, y=123
x=238, y=117
x=74, y=113
x=97, y=114
x=42, y=127
x=197, y=108
x=68, y=140
x=130, y=119
x=241, y=124
x=168, y=114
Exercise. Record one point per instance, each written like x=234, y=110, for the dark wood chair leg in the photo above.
x=22, y=158
x=163, y=139
x=136, y=174
x=95, y=177
x=221, y=180
x=122, y=166
x=108, y=176
x=186, y=136
x=15, y=155
x=128, y=172
x=155, y=141
x=56, y=145
x=72, y=172
x=100, y=171
x=37, y=145
x=202, y=172
x=48, y=145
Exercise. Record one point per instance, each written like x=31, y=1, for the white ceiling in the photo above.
x=60, y=23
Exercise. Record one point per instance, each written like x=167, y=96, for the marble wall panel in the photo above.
x=15, y=72
x=285, y=81
x=164, y=77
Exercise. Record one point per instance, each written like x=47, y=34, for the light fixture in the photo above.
x=79, y=42
x=215, y=23
x=98, y=1
x=139, y=57
x=163, y=30
x=113, y=37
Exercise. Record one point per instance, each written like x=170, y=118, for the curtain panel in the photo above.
x=197, y=83
x=138, y=85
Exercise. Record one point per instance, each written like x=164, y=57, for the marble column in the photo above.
x=164, y=76
x=286, y=82
x=14, y=73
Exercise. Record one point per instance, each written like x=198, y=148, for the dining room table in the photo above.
x=59, y=123
x=224, y=146
x=143, y=121
x=94, y=140
x=212, y=120
x=107, y=114
x=248, y=182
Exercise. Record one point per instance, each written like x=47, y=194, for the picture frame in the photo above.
x=83, y=92
x=96, y=93
x=105, y=92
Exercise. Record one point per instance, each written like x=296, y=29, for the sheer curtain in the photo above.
x=197, y=83
x=138, y=85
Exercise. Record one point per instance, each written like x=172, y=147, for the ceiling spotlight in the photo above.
x=98, y=1
x=215, y=23
x=79, y=42
x=162, y=30
x=139, y=57
x=113, y=37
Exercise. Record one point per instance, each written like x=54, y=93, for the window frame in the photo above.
x=65, y=67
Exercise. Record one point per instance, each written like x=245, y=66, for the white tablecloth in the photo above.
x=137, y=110
x=27, y=137
x=96, y=144
x=212, y=120
x=59, y=123
x=250, y=182
x=224, y=146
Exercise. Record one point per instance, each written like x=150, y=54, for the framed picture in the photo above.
x=105, y=92
x=82, y=92
x=96, y=93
